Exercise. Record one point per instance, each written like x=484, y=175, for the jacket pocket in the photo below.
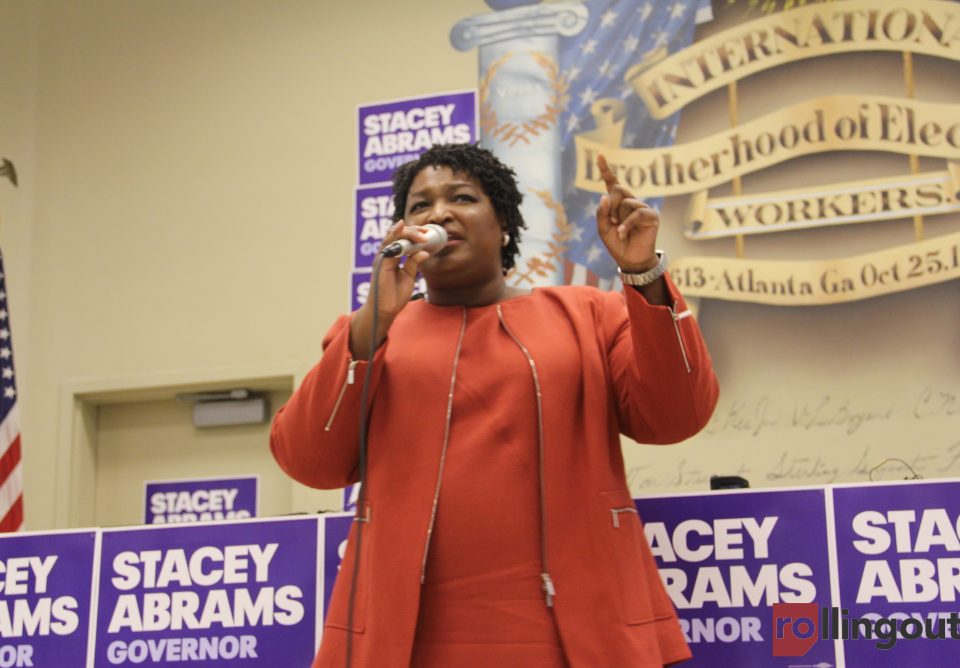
x=339, y=611
x=626, y=534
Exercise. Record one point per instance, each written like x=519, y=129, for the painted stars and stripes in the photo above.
x=11, y=471
x=619, y=33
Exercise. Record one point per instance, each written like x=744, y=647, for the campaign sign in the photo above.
x=201, y=500
x=728, y=559
x=392, y=133
x=336, y=529
x=360, y=289
x=898, y=555
x=350, y=496
x=243, y=593
x=45, y=584
x=373, y=220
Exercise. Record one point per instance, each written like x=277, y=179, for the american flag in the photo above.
x=11, y=471
x=618, y=35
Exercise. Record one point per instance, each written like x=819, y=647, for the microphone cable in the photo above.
x=358, y=518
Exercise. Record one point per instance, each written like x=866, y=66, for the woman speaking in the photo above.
x=498, y=530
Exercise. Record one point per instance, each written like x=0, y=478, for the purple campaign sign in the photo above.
x=196, y=500
x=45, y=599
x=336, y=529
x=350, y=496
x=392, y=133
x=725, y=561
x=243, y=594
x=360, y=288
x=898, y=555
x=374, y=217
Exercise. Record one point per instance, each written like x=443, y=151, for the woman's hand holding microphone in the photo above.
x=396, y=282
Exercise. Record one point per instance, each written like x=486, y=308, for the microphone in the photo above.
x=436, y=239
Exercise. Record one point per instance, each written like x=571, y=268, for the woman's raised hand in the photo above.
x=627, y=226
x=398, y=276
x=395, y=287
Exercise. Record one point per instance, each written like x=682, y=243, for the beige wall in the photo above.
x=155, y=440
x=18, y=78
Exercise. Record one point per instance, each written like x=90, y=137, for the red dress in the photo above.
x=482, y=603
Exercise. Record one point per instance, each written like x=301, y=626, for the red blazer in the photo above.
x=605, y=367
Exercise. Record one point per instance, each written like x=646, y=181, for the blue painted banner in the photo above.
x=618, y=35
x=45, y=598
x=201, y=500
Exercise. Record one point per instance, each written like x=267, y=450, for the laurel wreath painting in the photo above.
x=514, y=133
x=545, y=263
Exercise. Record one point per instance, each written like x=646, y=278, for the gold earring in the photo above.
x=505, y=240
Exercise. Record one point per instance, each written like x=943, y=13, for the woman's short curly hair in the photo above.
x=498, y=181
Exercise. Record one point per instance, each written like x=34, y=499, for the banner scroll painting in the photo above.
x=803, y=154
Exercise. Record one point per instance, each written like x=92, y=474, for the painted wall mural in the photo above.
x=803, y=155
x=560, y=83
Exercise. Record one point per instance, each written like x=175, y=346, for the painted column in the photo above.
x=522, y=93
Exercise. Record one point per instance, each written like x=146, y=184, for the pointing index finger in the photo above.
x=606, y=173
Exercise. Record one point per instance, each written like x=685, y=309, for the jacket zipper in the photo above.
x=549, y=589
x=677, y=317
x=343, y=390
x=443, y=448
